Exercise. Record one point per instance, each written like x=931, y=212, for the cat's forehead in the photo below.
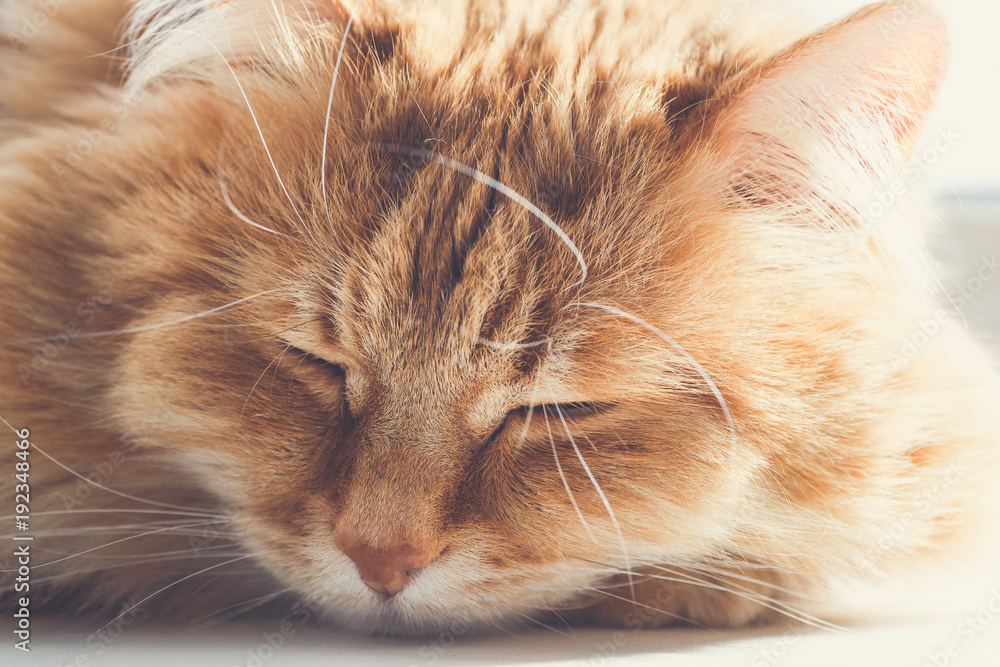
x=473, y=250
x=450, y=269
x=472, y=206
x=465, y=293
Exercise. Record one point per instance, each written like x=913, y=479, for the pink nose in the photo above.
x=386, y=570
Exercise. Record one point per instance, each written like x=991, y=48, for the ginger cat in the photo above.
x=428, y=312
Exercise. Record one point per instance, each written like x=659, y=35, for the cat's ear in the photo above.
x=846, y=103
x=202, y=38
x=331, y=10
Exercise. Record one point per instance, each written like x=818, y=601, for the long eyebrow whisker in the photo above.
x=148, y=327
x=260, y=132
x=329, y=109
x=677, y=346
x=238, y=213
x=253, y=115
x=489, y=181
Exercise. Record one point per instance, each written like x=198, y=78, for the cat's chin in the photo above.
x=391, y=618
x=431, y=610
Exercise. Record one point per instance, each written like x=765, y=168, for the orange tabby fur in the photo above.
x=730, y=321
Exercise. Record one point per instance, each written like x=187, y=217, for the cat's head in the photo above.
x=533, y=297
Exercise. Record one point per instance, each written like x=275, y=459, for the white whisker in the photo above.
x=232, y=207
x=239, y=608
x=124, y=539
x=137, y=560
x=121, y=511
x=149, y=327
x=329, y=108
x=178, y=581
x=746, y=593
x=600, y=492
x=107, y=529
x=531, y=619
x=117, y=493
x=472, y=172
x=684, y=353
x=562, y=476
x=609, y=594
x=259, y=377
x=253, y=115
x=109, y=490
x=742, y=592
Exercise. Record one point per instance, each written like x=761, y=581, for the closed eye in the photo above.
x=569, y=411
x=310, y=360
x=577, y=410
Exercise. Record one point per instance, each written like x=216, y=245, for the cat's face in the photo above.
x=431, y=401
x=426, y=366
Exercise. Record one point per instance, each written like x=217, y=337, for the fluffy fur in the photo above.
x=587, y=303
